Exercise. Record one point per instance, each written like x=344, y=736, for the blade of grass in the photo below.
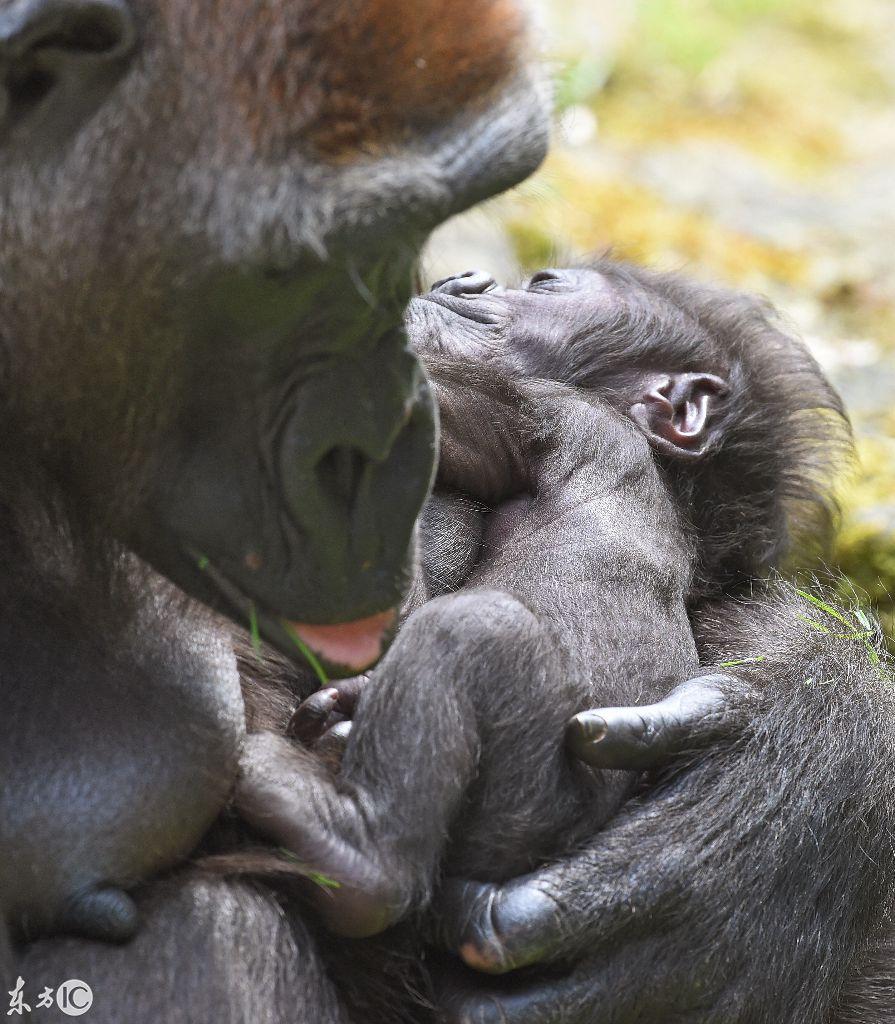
x=317, y=877
x=872, y=654
x=307, y=653
x=824, y=607
x=861, y=616
x=813, y=623
x=253, y=629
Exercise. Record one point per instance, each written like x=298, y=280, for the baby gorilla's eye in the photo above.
x=545, y=280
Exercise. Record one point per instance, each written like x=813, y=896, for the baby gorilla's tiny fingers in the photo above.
x=641, y=738
x=312, y=717
x=348, y=693
x=315, y=718
x=496, y=929
x=330, y=748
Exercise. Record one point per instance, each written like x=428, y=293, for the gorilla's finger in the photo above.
x=496, y=929
x=331, y=745
x=639, y=738
x=349, y=691
x=571, y=1000
x=309, y=721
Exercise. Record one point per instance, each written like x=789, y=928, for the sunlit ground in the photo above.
x=749, y=141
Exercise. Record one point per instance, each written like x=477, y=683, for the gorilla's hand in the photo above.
x=736, y=889
x=687, y=720
x=322, y=723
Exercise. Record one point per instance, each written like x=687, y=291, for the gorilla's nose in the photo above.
x=353, y=456
x=340, y=473
x=66, y=50
x=471, y=282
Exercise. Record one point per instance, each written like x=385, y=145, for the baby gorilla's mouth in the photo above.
x=477, y=310
x=471, y=295
x=481, y=309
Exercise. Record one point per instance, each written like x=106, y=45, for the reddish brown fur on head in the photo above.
x=360, y=75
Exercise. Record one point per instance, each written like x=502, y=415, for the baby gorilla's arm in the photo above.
x=378, y=829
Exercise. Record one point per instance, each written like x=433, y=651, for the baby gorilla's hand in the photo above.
x=322, y=723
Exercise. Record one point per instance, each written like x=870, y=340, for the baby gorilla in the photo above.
x=638, y=442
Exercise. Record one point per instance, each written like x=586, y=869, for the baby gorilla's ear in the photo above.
x=676, y=411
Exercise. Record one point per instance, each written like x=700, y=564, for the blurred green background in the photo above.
x=748, y=141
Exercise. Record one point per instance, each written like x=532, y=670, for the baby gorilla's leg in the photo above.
x=376, y=832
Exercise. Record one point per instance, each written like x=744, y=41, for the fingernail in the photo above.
x=593, y=727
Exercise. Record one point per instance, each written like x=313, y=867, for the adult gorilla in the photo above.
x=210, y=216
x=210, y=212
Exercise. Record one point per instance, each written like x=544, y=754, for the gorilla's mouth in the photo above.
x=352, y=645
x=480, y=309
x=331, y=649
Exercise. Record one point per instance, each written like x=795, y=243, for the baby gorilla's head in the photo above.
x=737, y=411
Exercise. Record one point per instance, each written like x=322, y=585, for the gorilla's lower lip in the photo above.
x=350, y=645
x=344, y=647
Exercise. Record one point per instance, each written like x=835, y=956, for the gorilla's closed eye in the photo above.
x=545, y=280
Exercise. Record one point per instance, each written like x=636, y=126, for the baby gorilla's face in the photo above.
x=528, y=330
x=611, y=332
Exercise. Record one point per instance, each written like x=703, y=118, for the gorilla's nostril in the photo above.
x=62, y=46
x=103, y=28
x=472, y=282
x=544, y=277
x=27, y=88
x=340, y=473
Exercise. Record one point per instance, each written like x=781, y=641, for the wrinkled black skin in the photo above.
x=795, y=859
x=203, y=369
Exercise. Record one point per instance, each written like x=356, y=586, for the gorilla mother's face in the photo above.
x=210, y=212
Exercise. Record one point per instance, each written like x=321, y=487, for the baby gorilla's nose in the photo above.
x=471, y=282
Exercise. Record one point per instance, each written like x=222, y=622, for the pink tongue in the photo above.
x=351, y=645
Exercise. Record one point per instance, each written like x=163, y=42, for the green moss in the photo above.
x=865, y=549
x=595, y=212
x=532, y=245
